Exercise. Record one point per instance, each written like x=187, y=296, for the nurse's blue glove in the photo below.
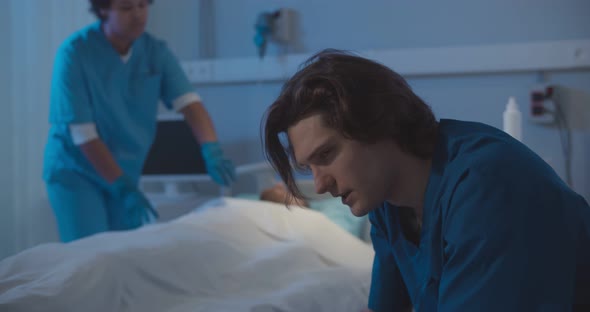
x=137, y=210
x=220, y=169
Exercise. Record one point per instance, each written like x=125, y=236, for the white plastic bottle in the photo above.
x=513, y=119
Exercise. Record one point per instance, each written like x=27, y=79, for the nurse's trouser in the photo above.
x=81, y=207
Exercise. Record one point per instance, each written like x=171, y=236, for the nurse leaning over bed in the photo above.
x=108, y=78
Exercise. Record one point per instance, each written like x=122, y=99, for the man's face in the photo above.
x=127, y=18
x=361, y=174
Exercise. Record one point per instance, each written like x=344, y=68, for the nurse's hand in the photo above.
x=221, y=169
x=137, y=210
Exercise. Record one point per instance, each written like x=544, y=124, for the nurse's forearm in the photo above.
x=101, y=159
x=199, y=121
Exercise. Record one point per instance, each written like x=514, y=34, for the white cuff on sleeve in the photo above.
x=184, y=100
x=84, y=132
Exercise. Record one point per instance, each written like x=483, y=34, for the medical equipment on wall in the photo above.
x=276, y=26
x=513, y=119
x=547, y=108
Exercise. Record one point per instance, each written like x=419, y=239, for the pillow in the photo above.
x=335, y=210
x=250, y=196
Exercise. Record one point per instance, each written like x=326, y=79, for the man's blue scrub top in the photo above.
x=501, y=232
x=92, y=84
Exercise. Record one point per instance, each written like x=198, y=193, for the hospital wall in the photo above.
x=6, y=135
x=384, y=24
x=30, y=32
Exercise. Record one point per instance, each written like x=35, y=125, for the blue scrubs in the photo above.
x=501, y=232
x=91, y=84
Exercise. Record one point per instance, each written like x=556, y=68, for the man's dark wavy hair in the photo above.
x=360, y=98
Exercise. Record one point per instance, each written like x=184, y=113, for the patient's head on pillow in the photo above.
x=332, y=208
x=278, y=194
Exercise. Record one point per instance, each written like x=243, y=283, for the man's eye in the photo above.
x=325, y=154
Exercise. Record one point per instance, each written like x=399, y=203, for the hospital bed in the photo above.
x=225, y=253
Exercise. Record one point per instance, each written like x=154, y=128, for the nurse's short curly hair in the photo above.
x=97, y=5
x=360, y=98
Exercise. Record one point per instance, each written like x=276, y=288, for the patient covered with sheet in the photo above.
x=332, y=208
x=229, y=255
x=278, y=194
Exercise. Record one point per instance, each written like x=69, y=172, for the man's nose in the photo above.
x=322, y=181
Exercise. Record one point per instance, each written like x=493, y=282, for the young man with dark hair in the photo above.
x=464, y=217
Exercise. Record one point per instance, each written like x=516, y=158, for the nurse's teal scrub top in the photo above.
x=501, y=232
x=92, y=84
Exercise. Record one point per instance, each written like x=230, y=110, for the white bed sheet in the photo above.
x=231, y=255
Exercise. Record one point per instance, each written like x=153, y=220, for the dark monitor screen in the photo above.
x=174, y=151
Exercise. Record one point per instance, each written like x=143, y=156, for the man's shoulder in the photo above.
x=473, y=146
x=484, y=161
